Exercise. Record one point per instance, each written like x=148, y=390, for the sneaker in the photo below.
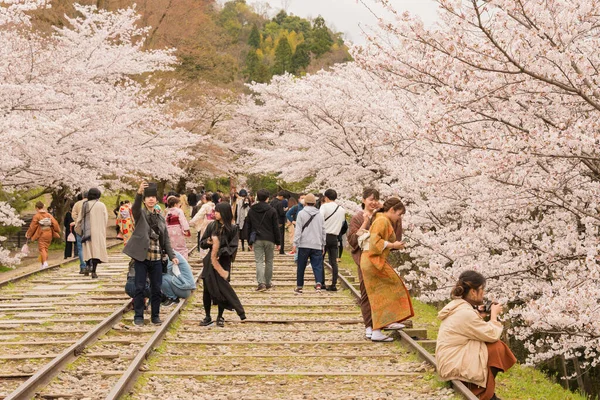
x=138, y=322
x=269, y=286
x=169, y=302
x=377, y=336
x=291, y=253
x=261, y=287
x=156, y=321
x=220, y=322
x=331, y=288
x=81, y=271
x=206, y=322
x=298, y=290
x=318, y=287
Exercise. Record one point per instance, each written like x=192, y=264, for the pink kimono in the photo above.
x=178, y=228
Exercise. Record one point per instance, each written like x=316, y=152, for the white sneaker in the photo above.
x=368, y=332
x=45, y=264
x=395, y=326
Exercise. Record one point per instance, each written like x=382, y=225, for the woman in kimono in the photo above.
x=221, y=237
x=43, y=228
x=177, y=225
x=389, y=298
x=125, y=221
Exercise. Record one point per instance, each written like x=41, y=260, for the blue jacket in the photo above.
x=292, y=213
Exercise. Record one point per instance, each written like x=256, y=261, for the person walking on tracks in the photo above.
x=43, y=228
x=81, y=198
x=309, y=242
x=264, y=238
x=91, y=225
x=469, y=348
x=221, y=238
x=147, y=246
x=279, y=203
x=334, y=217
x=389, y=298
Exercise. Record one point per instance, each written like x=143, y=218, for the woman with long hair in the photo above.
x=177, y=226
x=43, y=228
x=221, y=238
x=389, y=298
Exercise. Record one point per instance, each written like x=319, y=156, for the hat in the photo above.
x=150, y=191
x=243, y=193
x=310, y=199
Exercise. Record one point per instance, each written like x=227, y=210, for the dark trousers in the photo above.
x=143, y=269
x=331, y=248
x=282, y=234
x=316, y=261
x=70, y=247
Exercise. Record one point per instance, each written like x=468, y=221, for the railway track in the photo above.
x=78, y=342
x=59, y=331
x=291, y=346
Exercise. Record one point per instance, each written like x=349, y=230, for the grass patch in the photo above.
x=55, y=245
x=522, y=382
x=5, y=269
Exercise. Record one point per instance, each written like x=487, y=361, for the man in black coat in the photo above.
x=280, y=204
x=150, y=239
x=263, y=238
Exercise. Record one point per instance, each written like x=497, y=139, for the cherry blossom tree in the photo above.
x=77, y=106
x=486, y=124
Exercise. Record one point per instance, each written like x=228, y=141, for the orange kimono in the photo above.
x=389, y=298
x=43, y=234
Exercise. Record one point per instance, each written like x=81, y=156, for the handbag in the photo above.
x=363, y=239
x=25, y=249
x=71, y=237
x=254, y=234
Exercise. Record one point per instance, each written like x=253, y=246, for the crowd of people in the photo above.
x=468, y=347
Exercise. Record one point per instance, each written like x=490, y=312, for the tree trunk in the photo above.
x=60, y=202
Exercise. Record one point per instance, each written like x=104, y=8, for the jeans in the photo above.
x=316, y=261
x=82, y=264
x=263, y=255
x=130, y=288
x=142, y=270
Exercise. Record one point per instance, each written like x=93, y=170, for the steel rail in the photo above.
x=48, y=268
x=27, y=389
x=129, y=377
x=410, y=342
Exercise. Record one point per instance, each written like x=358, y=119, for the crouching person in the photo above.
x=469, y=348
x=178, y=282
x=130, y=285
x=149, y=241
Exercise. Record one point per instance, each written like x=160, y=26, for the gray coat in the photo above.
x=138, y=244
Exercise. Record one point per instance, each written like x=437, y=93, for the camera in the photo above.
x=485, y=308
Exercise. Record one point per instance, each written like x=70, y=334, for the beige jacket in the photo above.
x=461, y=352
x=96, y=247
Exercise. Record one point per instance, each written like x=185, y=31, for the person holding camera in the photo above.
x=469, y=348
x=150, y=240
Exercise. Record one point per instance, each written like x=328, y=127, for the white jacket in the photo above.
x=460, y=351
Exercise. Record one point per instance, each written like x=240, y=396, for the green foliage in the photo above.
x=321, y=38
x=301, y=58
x=283, y=57
x=522, y=382
x=254, y=39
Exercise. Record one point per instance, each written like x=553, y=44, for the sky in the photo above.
x=348, y=15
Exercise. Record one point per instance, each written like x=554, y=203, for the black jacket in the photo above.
x=279, y=207
x=137, y=246
x=263, y=220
